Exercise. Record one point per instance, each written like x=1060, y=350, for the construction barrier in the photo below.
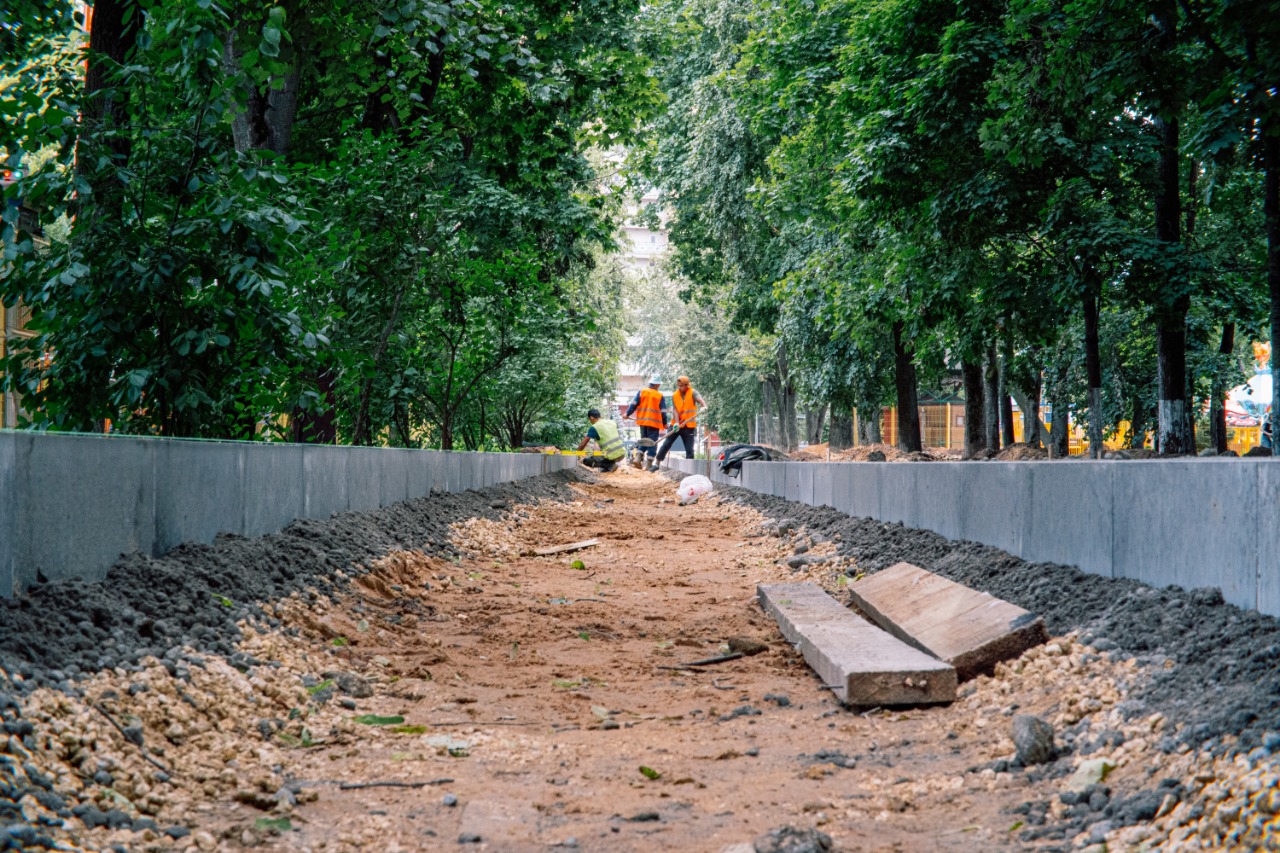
x=1190, y=522
x=70, y=505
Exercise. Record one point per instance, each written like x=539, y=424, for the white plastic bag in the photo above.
x=693, y=487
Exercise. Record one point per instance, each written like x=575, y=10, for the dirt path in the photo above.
x=546, y=683
x=508, y=702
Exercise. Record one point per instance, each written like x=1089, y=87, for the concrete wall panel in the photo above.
x=864, y=487
x=274, y=491
x=199, y=491
x=822, y=484
x=9, y=489
x=1268, y=569
x=897, y=492
x=1181, y=523
x=1068, y=514
x=87, y=500
x=324, y=481
x=364, y=478
x=394, y=483
x=993, y=504
x=939, y=496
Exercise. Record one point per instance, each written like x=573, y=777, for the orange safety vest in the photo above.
x=686, y=406
x=649, y=412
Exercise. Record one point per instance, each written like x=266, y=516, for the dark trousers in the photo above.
x=600, y=463
x=653, y=433
x=687, y=434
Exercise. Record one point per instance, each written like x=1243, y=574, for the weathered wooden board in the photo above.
x=971, y=630
x=561, y=549
x=863, y=665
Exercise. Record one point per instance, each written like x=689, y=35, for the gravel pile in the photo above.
x=194, y=645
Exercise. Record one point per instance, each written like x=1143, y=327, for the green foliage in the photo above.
x=349, y=214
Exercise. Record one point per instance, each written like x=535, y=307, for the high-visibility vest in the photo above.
x=686, y=407
x=649, y=412
x=610, y=442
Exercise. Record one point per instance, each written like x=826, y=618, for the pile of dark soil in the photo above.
x=1212, y=667
x=195, y=594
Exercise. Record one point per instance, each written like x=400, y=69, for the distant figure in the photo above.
x=688, y=404
x=605, y=435
x=651, y=416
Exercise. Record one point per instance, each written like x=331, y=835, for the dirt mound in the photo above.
x=195, y=594
x=880, y=453
x=812, y=453
x=1020, y=452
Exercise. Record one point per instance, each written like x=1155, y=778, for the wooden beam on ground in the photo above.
x=862, y=665
x=561, y=549
x=971, y=630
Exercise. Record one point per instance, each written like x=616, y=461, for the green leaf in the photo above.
x=375, y=720
x=408, y=730
x=649, y=772
x=276, y=824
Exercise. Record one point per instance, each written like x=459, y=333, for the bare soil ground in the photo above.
x=475, y=696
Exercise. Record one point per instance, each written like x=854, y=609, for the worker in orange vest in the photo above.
x=650, y=411
x=688, y=404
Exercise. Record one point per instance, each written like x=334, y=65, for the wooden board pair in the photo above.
x=930, y=633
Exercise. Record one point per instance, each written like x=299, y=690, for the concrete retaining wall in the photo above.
x=1193, y=522
x=71, y=504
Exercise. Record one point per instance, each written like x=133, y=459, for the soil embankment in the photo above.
x=417, y=679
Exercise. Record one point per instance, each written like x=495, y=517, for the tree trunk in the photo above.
x=814, y=421
x=1138, y=424
x=841, y=428
x=1093, y=372
x=1028, y=400
x=991, y=399
x=1271, y=210
x=871, y=432
x=767, y=394
x=1059, y=439
x=1007, y=437
x=1170, y=317
x=975, y=409
x=904, y=381
x=1171, y=373
x=1217, y=393
x=788, y=430
x=317, y=427
x=266, y=124
x=111, y=40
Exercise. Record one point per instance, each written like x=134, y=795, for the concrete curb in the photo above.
x=72, y=504
x=1193, y=522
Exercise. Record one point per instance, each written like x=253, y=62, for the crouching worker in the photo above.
x=605, y=434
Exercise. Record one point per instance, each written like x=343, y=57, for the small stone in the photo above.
x=1033, y=738
x=449, y=800
x=351, y=684
x=469, y=838
x=789, y=839
x=204, y=840
x=747, y=645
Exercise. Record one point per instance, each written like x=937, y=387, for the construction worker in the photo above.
x=650, y=412
x=605, y=434
x=688, y=404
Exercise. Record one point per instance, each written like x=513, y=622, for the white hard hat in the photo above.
x=655, y=379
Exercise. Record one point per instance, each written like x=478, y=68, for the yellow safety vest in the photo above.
x=610, y=442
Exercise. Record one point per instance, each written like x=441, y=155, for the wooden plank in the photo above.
x=561, y=549
x=971, y=630
x=863, y=665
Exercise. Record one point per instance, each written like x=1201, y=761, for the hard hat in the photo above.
x=655, y=379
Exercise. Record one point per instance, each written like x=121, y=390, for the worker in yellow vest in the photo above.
x=688, y=404
x=650, y=411
x=605, y=434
